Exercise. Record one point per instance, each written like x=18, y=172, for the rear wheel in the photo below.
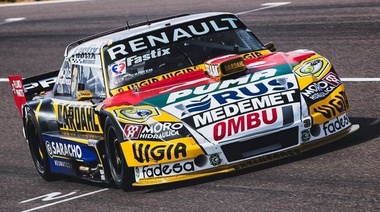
x=122, y=175
x=37, y=149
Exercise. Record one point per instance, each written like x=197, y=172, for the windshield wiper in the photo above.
x=187, y=56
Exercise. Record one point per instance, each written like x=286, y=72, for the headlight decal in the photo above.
x=331, y=107
x=314, y=66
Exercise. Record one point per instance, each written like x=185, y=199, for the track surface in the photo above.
x=343, y=176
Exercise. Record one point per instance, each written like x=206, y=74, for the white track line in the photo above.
x=360, y=79
x=65, y=200
x=10, y=20
x=37, y=3
x=266, y=6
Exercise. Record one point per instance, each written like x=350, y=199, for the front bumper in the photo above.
x=293, y=151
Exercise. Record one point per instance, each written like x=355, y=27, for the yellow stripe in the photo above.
x=38, y=110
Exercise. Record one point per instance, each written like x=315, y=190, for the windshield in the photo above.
x=179, y=55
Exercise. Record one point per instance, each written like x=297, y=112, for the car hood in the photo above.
x=267, y=98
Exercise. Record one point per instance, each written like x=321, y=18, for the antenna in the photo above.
x=147, y=20
x=128, y=27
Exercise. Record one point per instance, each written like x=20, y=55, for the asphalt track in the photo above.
x=343, y=176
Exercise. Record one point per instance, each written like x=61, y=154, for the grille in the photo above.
x=249, y=148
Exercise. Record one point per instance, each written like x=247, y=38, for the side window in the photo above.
x=65, y=81
x=91, y=78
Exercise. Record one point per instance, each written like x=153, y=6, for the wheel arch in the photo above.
x=43, y=111
x=122, y=175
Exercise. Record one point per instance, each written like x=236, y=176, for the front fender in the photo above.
x=151, y=136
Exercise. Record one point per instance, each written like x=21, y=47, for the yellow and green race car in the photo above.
x=177, y=98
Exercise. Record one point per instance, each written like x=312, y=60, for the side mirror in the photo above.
x=270, y=46
x=84, y=95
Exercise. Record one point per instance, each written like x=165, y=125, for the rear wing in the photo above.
x=25, y=89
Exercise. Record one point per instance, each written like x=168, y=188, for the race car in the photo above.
x=177, y=98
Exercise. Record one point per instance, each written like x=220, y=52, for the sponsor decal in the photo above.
x=133, y=113
x=215, y=160
x=167, y=169
x=318, y=90
x=246, y=105
x=122, y=75
x=335, y=106
x=64, y=164
x=196, y=105
x=91, y=49
x=156, y=131
x=118, y=68
x=135, y=59
x=268, y=158
x=336, y=125
x=223, y=66
x=172, y=34
x=137, y=172
x=145, y=152
x=40, y=84
x=249, y=123
x=65, y=79
x=332, y=79
x=252, y=89
x=83, y=58
x=252, y=55
x=321, y=89
x=242, y=123
x=132, y=131
x=228, y=68
x=63, y=149
x=158, y=78
x=313, y=67
x=17, y=88
x=137, y=114
x=305, y=135
x=79, y=118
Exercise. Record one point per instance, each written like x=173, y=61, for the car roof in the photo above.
x=94, y=42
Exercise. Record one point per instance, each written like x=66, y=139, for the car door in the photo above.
x=74, y=113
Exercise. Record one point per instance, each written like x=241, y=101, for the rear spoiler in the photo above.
x=25, y=89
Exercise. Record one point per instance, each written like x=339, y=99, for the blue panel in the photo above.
x=62, y=166
x=62, y=148
x=64, y=153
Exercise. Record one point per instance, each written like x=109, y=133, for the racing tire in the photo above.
x=123, y=176
x=37, y=149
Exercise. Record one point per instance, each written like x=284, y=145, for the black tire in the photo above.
x=122, y=175
x=38, y=149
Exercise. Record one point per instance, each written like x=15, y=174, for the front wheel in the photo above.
x=122, y=174
x=37, y=149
